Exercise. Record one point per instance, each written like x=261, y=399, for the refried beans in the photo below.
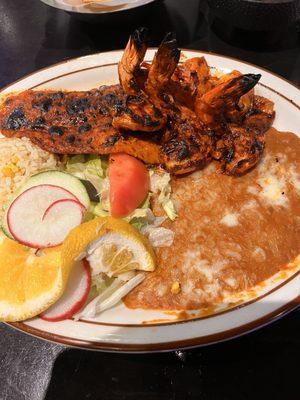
x=231, y=233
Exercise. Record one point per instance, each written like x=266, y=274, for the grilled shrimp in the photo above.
x=261, y=116
x=239, y=150
x=182, y=147
x=163, y=65
x=213, y=105
x=195, y=117
x=190, y=79
x=141, y=114
x=133, y=56
x=244, y=104
x=136, y=113
x=242, y=146
x=186, y=146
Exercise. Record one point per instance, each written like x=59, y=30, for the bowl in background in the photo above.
x=96, y=7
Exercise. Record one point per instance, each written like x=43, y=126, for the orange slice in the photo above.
x=29, y=283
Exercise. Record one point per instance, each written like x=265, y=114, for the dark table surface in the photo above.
x=260, y=365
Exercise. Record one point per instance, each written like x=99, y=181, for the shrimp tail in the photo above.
x=140, y=39
x=133, y=55
x=169, y=46
x=228, y=94
x=164, y=63
x=224, y=97
x=242, y=85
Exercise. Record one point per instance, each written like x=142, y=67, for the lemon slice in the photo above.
x=111, y=246
x=29, y=283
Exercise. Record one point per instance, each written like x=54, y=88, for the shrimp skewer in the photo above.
x=192, y=121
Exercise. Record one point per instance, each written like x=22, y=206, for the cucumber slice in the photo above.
x=4, y=229
x=62, y=179
x=56, y=178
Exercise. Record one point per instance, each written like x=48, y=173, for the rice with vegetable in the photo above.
x=20, y=159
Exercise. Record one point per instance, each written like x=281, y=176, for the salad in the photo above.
x=92, y=222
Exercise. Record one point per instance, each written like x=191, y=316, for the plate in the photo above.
x=102, y=7
x=122, y=329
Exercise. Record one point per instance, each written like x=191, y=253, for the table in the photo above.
x=260, y=365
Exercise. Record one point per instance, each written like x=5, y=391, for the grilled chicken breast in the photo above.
x=83, y=122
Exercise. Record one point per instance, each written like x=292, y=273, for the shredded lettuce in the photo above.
x=160, y=184
x=75, y=165
x=110, y=296
x=157, y=235
x=161, y=237
x=169, y=208
x=102, y=209
x=140, y=216
x=93, y=169
x=98, y=210
x=104, y=195
x=89, y=214
x=101, y=281
x=88, y=167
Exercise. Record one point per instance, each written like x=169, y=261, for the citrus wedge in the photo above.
x=111, y=246
x=29, y=283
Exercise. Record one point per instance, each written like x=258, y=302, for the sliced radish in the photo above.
x=74, y=296
x=70, y=183
x=61, y=208
x=38, y=219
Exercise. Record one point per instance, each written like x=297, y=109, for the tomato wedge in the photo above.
x=129, y=184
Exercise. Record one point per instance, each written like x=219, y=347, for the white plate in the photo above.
x=103, y=7
x=121, y=329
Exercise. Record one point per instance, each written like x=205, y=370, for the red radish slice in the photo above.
x=74, y=296
x=56, y=210
x=25, y=216
x=61, y=217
